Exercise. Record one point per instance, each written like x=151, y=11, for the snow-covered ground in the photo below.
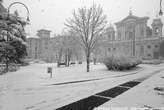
x=31, y=88
x=149, y=94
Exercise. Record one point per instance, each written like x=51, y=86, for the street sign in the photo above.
x=49, y=70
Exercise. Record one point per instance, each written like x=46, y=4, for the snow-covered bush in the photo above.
x=121, y=62
x=11, y=68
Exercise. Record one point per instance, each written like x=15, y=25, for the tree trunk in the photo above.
x=7, y=66
x=59, y=57
x=94, y=60
x=88, y=61
x=58, y=64
x=66, y=58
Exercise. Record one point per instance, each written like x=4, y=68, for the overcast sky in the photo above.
x=51, y=14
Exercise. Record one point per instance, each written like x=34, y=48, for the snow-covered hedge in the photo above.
x=121, y=62
x=153, y=61
x=11, y=68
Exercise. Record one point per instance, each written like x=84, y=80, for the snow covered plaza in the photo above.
x=31, y=88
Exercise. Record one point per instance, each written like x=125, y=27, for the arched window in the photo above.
x=119, y=35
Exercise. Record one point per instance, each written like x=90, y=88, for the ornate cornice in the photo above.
x=131, y=18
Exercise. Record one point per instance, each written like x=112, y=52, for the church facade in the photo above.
x=134, y=38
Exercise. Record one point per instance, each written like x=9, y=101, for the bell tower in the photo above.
x=157, y=27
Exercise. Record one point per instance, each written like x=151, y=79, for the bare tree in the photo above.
x=65, y=47
x=58, y=47
x=89, y=23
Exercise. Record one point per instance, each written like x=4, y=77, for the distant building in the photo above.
x=44, y=34
x=134, y=38
x=48, y=48
x=131, y=37
x=39, y=48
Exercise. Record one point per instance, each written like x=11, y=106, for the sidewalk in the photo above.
x=148, y=94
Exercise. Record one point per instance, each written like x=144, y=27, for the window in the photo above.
x=148, y=55
x=156, y=46
x=46, y=42
x=156, y=31
x=142, y=50
x=149, y=46
x=142, y=31
x=126, y=35
x=35, y=48
x=113, y=37
x=46, y=47
x=109, y=49
x=130, y=35
x=109, y=36
x=119, y=35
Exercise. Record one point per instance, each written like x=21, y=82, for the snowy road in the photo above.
x=30, y=88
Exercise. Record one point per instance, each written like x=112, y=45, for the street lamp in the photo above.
x=8, y=17
x=160, y=11
x=14, y=3
x=160, y=14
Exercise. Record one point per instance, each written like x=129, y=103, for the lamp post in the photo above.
x=112, y=43
x=8, y=14
x=8, y=17
x=160, y=14
x=160, y=11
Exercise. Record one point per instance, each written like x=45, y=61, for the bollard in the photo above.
x=49, y=70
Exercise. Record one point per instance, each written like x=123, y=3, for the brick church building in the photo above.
x=135, y=38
